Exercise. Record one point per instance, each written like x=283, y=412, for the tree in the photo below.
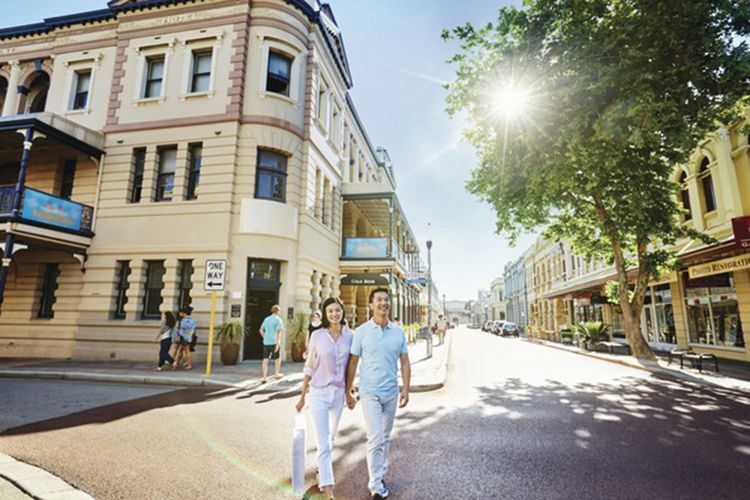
x=616, y=93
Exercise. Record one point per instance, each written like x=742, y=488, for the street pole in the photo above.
x=211, y=334
x=444, y=313
x=429, y=299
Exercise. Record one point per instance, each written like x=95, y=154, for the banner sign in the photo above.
x=366, y=247
x=42, y=207
x=363, y=279
x=720, y=266
x=741, y=226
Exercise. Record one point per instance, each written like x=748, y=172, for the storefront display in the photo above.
x=713, y=311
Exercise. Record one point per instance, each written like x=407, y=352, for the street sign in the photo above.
x=213, y=280
x=417, y=281
x=364, y=279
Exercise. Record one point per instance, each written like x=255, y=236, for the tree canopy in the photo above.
x=609, y=96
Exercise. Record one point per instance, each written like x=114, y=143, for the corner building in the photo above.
x=158, y=134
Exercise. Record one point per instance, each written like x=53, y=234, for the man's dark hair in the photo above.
x=379, y=290
x=186, y=309
x=324, y=318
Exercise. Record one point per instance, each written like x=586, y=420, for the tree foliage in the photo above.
x=620, y=92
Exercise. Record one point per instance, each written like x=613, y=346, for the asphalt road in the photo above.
x=515, y=420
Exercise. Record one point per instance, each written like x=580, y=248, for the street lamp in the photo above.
x=429, y=298
x=444, y=313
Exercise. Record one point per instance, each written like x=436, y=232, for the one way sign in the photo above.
x=216, y=271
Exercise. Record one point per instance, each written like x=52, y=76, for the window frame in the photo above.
x=67, y=179
x=147, y=292
x=262, y=171
x=122, y=285
x=161, y=175
x=196, y=53
x=185, y=271
x=47, y=296
x=193, y=170
x=289, y=59
x=77, y=93
x=685, y=197
x=707, y=185
x=147, y=76
x=136, y=184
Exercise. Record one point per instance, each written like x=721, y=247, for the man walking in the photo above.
x=441, y=326
x=379, y=344
x=271, y=330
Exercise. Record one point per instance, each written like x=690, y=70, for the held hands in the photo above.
x=300, y=404
x=403, y=398
x=351, y=401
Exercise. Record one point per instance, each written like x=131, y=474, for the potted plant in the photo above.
x=592, y=332
x=229, y=336
x=298, y=336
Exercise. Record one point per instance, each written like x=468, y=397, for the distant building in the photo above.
x=515, y=293
x=497, y=299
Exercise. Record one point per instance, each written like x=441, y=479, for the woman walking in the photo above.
x=166, y=332
x=325, y=376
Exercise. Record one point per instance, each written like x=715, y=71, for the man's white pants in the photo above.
x=326, y=405
x=379, y=412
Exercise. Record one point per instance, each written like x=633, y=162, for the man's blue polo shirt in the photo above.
x=271, y=326
x=379, y=350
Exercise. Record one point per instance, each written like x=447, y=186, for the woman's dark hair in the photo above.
x=324, y=317
x=169, y=319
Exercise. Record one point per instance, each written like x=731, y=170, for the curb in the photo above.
x=121, y=379
x=646, y=366
x=442, y=371
x=36, y=482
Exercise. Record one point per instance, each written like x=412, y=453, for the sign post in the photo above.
x=213, y=281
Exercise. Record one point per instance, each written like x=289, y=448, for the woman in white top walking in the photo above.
x=325, y=376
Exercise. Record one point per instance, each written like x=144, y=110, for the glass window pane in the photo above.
x=153, y=89
x=268, y=159
x=200, y=83
x=155, y=69
x=167, y=160
x=202, y=63
x=279, y=65
x=83, y=81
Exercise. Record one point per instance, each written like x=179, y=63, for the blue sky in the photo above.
x=398, y=64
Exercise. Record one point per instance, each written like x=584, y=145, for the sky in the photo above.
x=398, y=64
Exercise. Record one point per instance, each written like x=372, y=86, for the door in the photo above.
x=259, y=303
x=262, y=293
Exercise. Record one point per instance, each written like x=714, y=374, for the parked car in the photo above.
x=510, y=329
x=497, y=326
x=474, y=325
x=487, y=326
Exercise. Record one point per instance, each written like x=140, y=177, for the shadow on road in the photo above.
x=122, y=409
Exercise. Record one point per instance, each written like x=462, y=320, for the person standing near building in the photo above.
x=271, y=330
x=168, y=326
x=325, y=375
x=379, y=345
x=441, y=326
x=186, y=330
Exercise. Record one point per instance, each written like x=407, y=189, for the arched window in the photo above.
x=685, y=196
x=3, y=92
x=38, y=93
x=704, y=175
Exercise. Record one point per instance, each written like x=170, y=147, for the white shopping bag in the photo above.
x=299, y=448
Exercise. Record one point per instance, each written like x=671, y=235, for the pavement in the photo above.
x=19, y=480
x=731, y=375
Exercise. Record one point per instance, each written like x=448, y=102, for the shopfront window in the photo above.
x=712, y=311
x=658, y=316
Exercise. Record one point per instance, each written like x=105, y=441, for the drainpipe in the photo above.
x=10, y=239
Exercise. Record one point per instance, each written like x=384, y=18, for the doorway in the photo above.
x=262, y=293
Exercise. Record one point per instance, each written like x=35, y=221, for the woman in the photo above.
x=325, y=376
x=166, y=332
x=315, y=323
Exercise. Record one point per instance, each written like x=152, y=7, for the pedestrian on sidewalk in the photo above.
x=186, y=331
x=166, y=330
x=325, y=375
x=379, y=345
x=271, y=331
x=441, y=326
x=314, y=324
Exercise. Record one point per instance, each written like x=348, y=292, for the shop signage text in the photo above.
x=364, y=279
x=720, y=266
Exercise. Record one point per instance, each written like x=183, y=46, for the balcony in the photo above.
x=46, y=220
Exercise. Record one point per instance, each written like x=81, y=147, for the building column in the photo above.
x=169, y=294
x=325, y=289
x=11, y=95
x=136, y=282
x=728, y=191
x=315, y=291
x=336, y=287
x=150, y=170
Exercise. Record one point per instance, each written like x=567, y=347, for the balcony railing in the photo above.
x=43, y=209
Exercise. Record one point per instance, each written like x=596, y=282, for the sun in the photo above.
x=510, y=101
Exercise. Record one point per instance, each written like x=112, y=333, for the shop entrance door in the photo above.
x=262, y=293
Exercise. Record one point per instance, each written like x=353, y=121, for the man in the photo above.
x=271, y=330
x=379, y=344
x=441, y=326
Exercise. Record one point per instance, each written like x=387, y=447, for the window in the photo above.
x=270, y=176
x=165, y=176
x=323, y=105
x=713, y=311
x=279, y=71
x=195, y=156
x=201, y=76
x=153, y=286
x=154, y=76
x=136, y=185
x=184, y=284
x=121, y=288
x=81, y=89
x=708, y=186
x=68, y=176
x=324, y=202
x=685, y=196
x=49, y=286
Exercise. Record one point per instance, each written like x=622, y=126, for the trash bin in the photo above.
x=566, y=336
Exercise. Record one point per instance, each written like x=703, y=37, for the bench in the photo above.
x=696, y=359
x=611, y=346
x=679, y=353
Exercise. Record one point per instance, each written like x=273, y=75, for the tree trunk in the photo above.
x=631, y=317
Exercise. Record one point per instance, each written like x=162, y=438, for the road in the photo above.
x=515, y=420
